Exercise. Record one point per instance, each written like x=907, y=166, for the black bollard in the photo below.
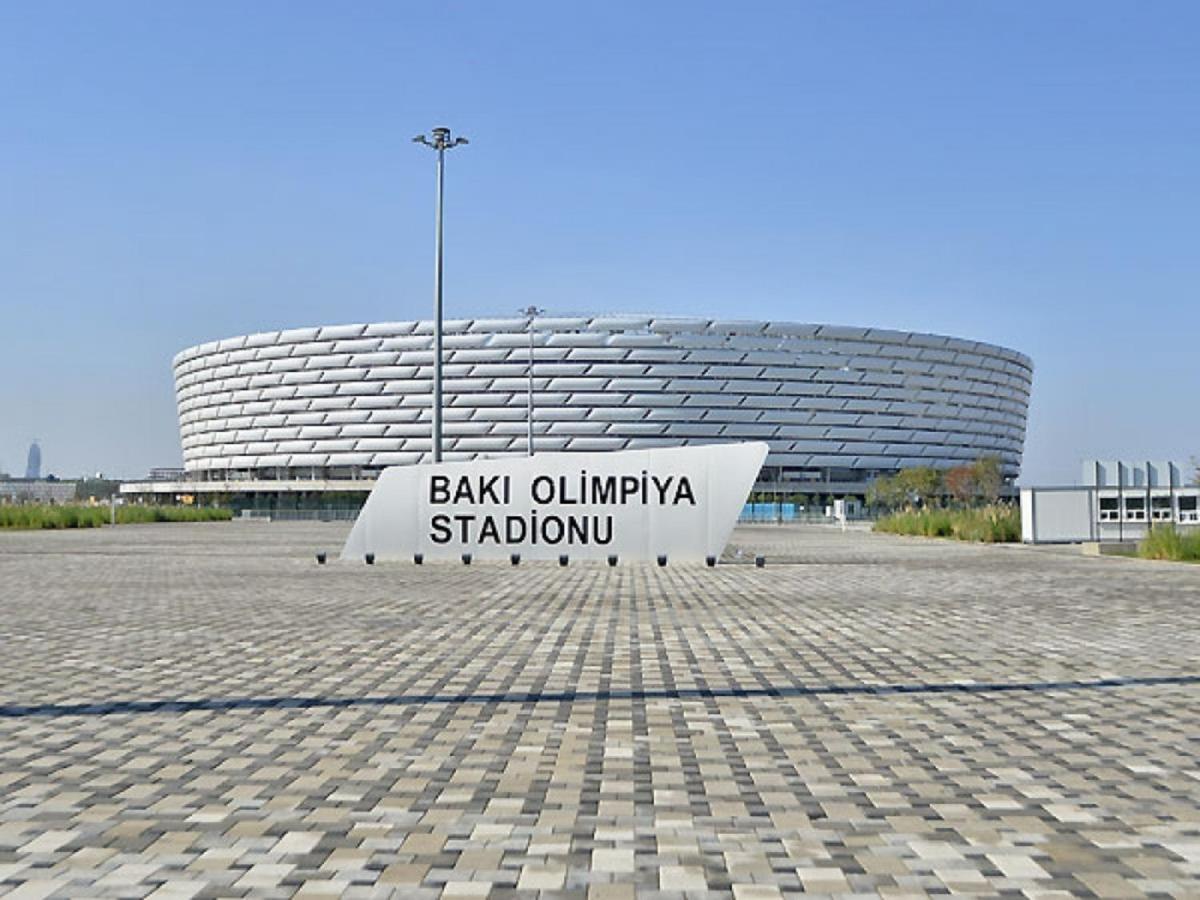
x=662, y=559
x=759, y=562
x=321, y=559
x=515, y=559
x=710, y=561
x=562, y=560
x=612, y=560
x=466, y=558
x=369, y=559
x=418, y=559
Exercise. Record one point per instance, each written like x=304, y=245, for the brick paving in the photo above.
x=201, y=710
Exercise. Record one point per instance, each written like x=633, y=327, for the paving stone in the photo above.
x=199, y=710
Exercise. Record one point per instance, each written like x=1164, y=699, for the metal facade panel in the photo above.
x=882, y=396
x=387, y=329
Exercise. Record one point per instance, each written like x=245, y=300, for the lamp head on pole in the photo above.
x=441, y=140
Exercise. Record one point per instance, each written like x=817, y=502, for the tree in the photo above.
x=921, y=484
x=99, y=488
x=886, y=491
x=988, y=478
x=960, y=483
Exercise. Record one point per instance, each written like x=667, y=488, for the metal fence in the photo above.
x=794, y=513
x=301, y=515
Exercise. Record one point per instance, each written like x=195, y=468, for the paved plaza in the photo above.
x=202, y=710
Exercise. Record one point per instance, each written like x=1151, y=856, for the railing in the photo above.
x=301, y=515
x=792, y=513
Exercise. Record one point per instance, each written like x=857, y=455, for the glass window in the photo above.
x=1135, y=508
x=1110, y=509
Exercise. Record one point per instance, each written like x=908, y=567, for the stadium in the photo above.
x=837, y=405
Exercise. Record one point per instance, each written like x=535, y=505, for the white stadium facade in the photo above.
x=327, y=408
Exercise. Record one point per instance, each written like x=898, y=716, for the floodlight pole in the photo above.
x=441, y=142
x=531, y=312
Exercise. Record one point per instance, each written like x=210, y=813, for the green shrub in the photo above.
x=994, y=524
x=37, y=516
x=1164, y=542
x=139, y=515
x=32, y=516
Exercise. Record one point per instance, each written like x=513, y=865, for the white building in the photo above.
x=329, y=407
x=1117, y=500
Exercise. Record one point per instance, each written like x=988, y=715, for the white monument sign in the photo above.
x=681, y=502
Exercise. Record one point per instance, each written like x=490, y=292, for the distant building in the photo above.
x=1118, y=500
x=33, y=465
x=27, y=490
x=166, y=473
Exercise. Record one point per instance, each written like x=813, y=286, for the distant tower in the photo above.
x=33, y=468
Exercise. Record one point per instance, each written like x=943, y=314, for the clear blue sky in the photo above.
x=1021, y=173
